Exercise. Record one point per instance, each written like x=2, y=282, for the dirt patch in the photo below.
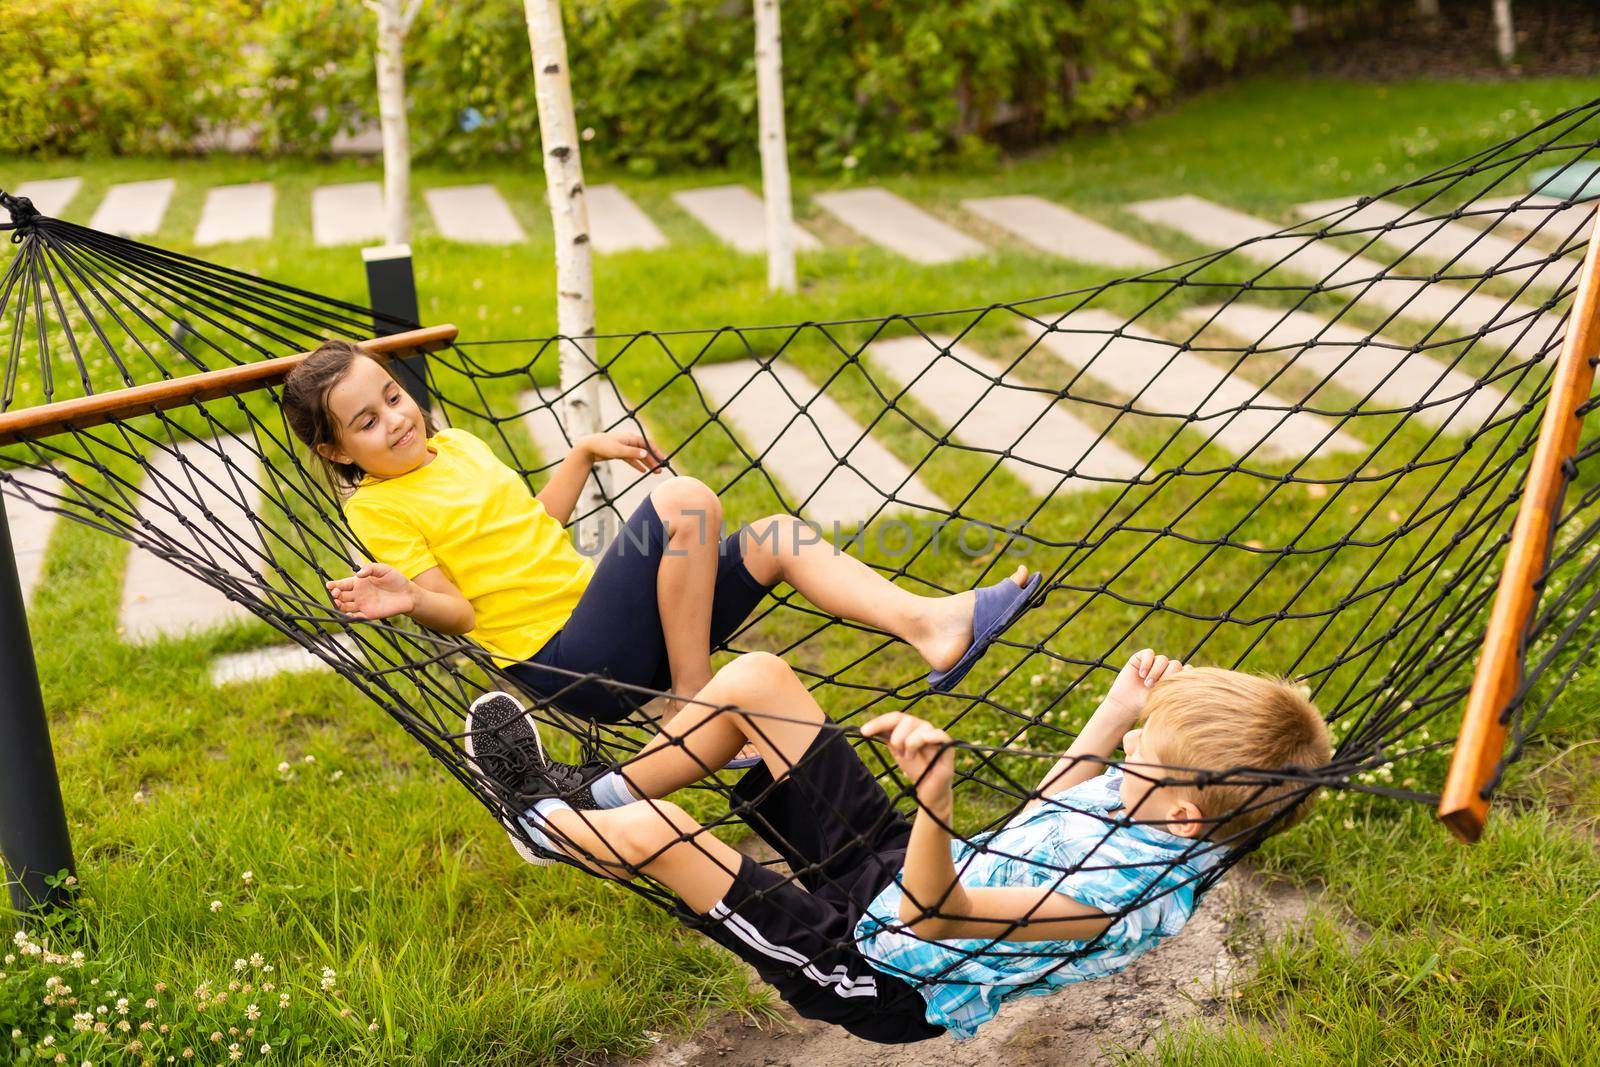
x=1095, y=1022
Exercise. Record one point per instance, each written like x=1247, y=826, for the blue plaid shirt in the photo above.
x=1078, y=843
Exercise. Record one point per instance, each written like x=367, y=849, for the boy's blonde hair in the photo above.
x=1211, y=719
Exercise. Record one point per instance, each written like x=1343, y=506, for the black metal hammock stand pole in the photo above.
x=1361, y=558
x=33, y=822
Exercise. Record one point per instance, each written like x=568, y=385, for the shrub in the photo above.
x=117, y=75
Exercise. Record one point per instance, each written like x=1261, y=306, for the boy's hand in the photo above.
x=1131, y=691
x=376, y=591
x=924, y=752
x=631, y=448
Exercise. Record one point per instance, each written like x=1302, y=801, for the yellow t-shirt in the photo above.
x=474, y=518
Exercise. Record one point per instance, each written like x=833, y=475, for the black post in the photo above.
x=33, y=822
x=392, y=295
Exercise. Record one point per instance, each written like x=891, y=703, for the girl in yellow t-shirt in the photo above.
x=461, y=545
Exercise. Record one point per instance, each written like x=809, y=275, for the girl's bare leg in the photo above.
x=780, y=548
x=687, y=578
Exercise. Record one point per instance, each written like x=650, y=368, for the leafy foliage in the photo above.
x=660, y=83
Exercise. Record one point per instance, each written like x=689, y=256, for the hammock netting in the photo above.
x=1301, y=455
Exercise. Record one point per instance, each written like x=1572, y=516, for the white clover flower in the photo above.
x=1036, y=681
x=49, y=1039
x=283, y=1000
x=216, y=1035
x=265, y=1048
x=328, y=978
x=240, y=964
x=125, y=1026
x=308, y=758
x=335, y=776
x=122, y=1005
x=252, y=1013
x=235, y=1052
x=150, y=1002
x=216, y=906
x=247, y=877
x=77, y=957
x=256, y=960
x=138, y=796
x=372, y=1027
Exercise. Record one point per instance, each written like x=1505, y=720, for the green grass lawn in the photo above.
x=444, y=948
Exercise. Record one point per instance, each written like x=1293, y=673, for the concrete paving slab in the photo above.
x=1157, y=377
x=31, y=526
x=1511, y=326
x=1548, y=222
x=965, y=391
x=134, y=209
x=809, y=444
x=617, y=224
x=262, y=663
x=898, y=225
x=1419, y=232
x=1395, y=376
x=628, y=486
x=476, y=213
x=50, y=195
x=349, y=213
x=1052, y=228
x=738, y=217
x=236, y=213
x=216, y=478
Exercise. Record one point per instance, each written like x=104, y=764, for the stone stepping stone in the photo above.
x=1418, y=232
x=1361, y=280
x=1052, y=228
x=263, y=663
x=617, y=224
x=158, y=599
x=31, y=525
x=134, y=209
x=963, y=391
x=351, y=213
x=1345, y=355
x=809, y=444
x=898, y=225
x=738, y=217
x=476, y=213
x=628, y=486
x=236, y=213
x=50, y=195
x=1157, y=377
x=1547, y=222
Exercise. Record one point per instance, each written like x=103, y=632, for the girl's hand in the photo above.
x=1131, y=691
x=631, y=448
x=376, y=591
x=924, y=752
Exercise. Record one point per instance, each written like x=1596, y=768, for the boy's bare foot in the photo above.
x=949, y=629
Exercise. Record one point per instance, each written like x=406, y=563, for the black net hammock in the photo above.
x=1304, y=455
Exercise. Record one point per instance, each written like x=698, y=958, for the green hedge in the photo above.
x=660, y=83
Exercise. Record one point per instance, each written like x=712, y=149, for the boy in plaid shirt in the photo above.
x=892, y=928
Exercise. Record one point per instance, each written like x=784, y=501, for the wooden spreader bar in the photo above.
x=1482, y=739
x=79, y=413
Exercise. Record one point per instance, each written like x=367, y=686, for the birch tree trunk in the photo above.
x=569, y=215
x=774, y=148
x=394, y=20
x=1505, y=41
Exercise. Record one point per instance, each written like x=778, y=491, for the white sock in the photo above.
x=611, y=791
x=536, y=821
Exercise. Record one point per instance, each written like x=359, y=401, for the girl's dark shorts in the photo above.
x=616, y=632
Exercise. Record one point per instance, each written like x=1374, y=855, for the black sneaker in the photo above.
x=503, y=744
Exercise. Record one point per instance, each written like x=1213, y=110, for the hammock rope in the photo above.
x=1285, y=460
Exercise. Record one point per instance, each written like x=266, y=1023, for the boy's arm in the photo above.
x=1103, y=733
x=935, y=905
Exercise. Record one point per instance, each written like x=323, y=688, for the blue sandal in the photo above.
x=997, y=607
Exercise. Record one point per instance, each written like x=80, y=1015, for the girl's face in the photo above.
x=379, y=427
